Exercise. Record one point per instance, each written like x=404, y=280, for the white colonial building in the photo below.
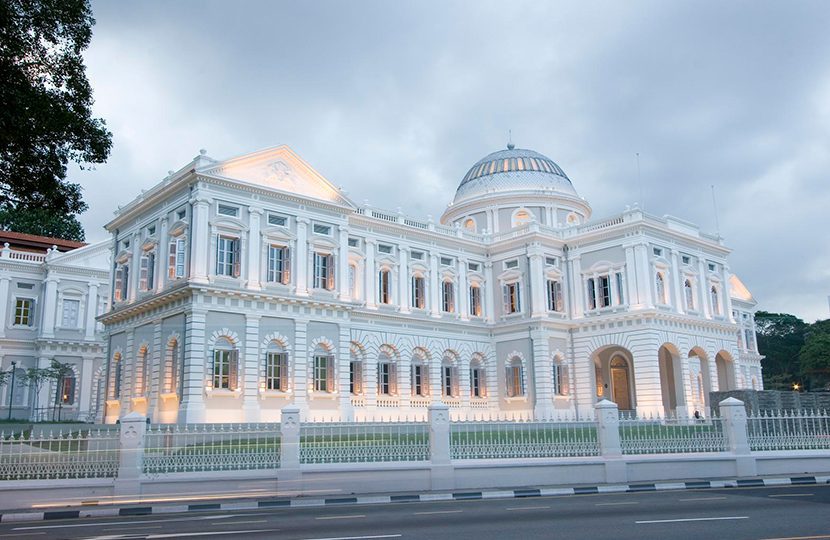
x=51, y=290
x=245, y=285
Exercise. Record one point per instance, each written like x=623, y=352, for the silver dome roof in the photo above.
x=514, y=169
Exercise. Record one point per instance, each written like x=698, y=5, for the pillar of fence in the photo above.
x=132, y=432
x=733, y=414
x=289, y=445
x=439, y=447
x=608, y=437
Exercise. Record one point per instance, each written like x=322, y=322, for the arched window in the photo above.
x=66, y=390
x=142, y=371
x=385, y=286
x=447, y=296
x=323, y=370
x=521, y=217
x=470, y=224
x=387, y=374
x=559, y=376
x=225, y=365
x=713, y=294
x=660, y=282
x=276, y=367
x=449, y=377
x=478, y=384
x=690, y=295
x=420, y=374
x=515, y=378
x=172, y=381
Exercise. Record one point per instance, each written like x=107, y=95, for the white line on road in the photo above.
x=528, y=508
x=704, y=499
x=792, y=495
x=199, y=518
x=22, y=534
x=208, y=533
x=615, y=503
x=354, y=516
x=358, y=537
x=132, y=528
x=240, y=522
x=823, y=537
x=438, y=512
x=691, y=519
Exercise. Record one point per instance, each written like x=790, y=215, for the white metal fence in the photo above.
x=789, y=430
x=358, y=442
x=48, y=455
x=171, y=448
x=522, y=439
x=671, y=435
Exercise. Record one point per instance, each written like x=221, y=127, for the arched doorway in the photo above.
x=614, y=377
x=726, y=371
x=621, y=383
x=671, y=380
x=699, y=367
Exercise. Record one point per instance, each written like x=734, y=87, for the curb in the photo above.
x=412, y=498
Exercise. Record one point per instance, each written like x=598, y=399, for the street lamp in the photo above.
x=796, y=387
x=11, y=390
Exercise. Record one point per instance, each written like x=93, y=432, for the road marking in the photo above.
x=240, y=522
x=792, y=495
x=208, y=533
x=199, y=518
x=22, y=534
x=438, y=512
x=615, y=503
x=528, y=508
x=801, y=538
x=358, y=537
x=131, y=528
x=704, y=499
x=691, y=519
x=355, y=516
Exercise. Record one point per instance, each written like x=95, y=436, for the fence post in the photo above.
x=132, y=432
x=608, y=437
x=733, y=413
x=441, y=475
x=290, y=445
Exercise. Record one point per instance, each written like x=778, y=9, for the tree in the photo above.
x=780, y=339
x=45, y=111
x=58, y=372
x=41, y=221
x=34, y=378
x=814, y=356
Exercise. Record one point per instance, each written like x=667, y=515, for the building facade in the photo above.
x=242, y=286
x=51, y=291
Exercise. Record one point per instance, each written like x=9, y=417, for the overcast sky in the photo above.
x=394, y=101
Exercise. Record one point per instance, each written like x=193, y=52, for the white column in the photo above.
x=726, y=293
x=343, y=360
x=434, y=286
x=542, y=375
x=50, y=300
x=488, y=292
x=643, y=275
x=577, y=287
x=703, y=288
x=135, y=266
x=371, y=274
x=254, y=248
x=91, y=311
x=162, y=254
x=301, y=257
x=192, y=408
x=537, y=286
x=41, y=401
x=634, y=294
x=250, y=370
x=343, y=265
x=4, y=304
x=403, y=280
x=677, y=292
x=200, y=238
x=300, y=366
x=463, y=291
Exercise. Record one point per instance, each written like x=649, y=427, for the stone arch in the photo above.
x=116, y=374
x=76, y=392
x=671, y=379
x=725, y=368
x=700, y=358
x=225, y=333
x=613, y=376
x=98, y=392
x=279, y=339
x=143, y=369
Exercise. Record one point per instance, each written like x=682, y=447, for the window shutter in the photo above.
x=70, y=392
x=521, y=388
x=564, y=383
x=508, y=377
x=330, y=374
x=518, y=298
x=425, y=380
x=233, y=370
x=393, y=379
x=482, y=381
x=358, y=378
x=171, y=259
x=286, y=266
x=237, y=260
x=592, y=303
x=119, y=280
x=506, y=298
x=283, y=363
x=455, y=390
x=181, y=246
x=142, y=272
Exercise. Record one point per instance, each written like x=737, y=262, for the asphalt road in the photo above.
x=796, y=512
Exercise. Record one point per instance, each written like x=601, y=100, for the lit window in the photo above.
x=478, y=388
x=228, y=256
x=660, y=283
x=323, y=373
x=514, y=378
x=122, y=282
x=225, y=366
x=23, y=311
x=449, y=379
x=175, y=258
x=279, y=264
x=385, y=286
x=71, y=308
x=276, y=371
x=470, y=224
x=690, y=295
x=67, y=390
x=324, y=271
x=355, y=377
x=475, y=300
x=521, y=217
x=447, y=297
x=555, y=302
x=418, y=292
x=147, y=271
x=512, y=298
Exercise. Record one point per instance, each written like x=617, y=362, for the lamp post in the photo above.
x=11, y=390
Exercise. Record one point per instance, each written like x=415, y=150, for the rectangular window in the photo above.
x=24, y=311
x=387, y=384
x=151, y=230
x=417, y=255
x=473, y=267
x=26, y=286
x=604, y=291
x=475, y=301
x=279, y=265
x=686, y=259
x=446, y=261
x=620, y=289
x=385, y=287
x=70, y=313
x=511, y=264
x=592, y=294
x=324, y=271
x=227, y=210
x=712, y=267
x=354, y=242
x=515, y=381
x=277, y=220
x=550, y=261
x=447, y=297
x=147, y=271
x=181, y=214
x=321, y=229
x=555, y=295
x=225, y=369
x=276, y=371
x=419, y=380
x=475, y=383
x=657, y=252
x=512, y=299
x=323, y=373
x=356, y=377
x=448, y=384
x=175, y=258
x=227, y=256
x=384, y=248
x=418, y=292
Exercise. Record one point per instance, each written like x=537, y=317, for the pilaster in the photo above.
x=301, y=258
x=463, y=291
x=200, y=239
x=703, y=289
x=300, y=360
x=404, y=298
x=254, y=248
x=634, y=293
x=643, y=276
x=50, y=300
x=542, y=375
x=193, y=392
x=250, y=366
x=343, y=359
x=434, y=286
x=371, y=274
x=4, y=304
x=91, y=308
x=577, y=287
x=343, y=265
x=87, y=366
x=488, y=292
x=677, y=292
x=162, y=257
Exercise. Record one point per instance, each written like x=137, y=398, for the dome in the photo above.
x=514, y=169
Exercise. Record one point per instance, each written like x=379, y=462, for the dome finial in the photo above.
x=510, y=145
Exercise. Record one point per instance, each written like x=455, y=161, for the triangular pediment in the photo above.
x=279, y=169
x=94, y=256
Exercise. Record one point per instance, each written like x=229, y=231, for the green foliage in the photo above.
x=815, y=355
x=795, y=351
x=46, y=105
x=42, y=222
